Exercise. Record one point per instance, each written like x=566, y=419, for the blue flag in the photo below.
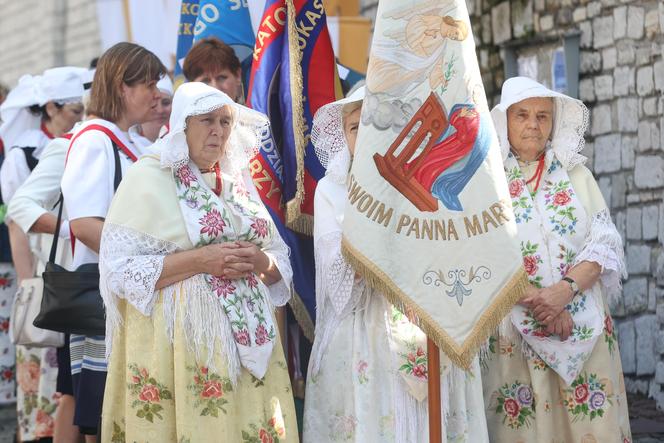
x=188, y=16
x=229, y=21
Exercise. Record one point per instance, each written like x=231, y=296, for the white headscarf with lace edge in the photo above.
x=329, y=139
x=197, y=98
x=570, y=119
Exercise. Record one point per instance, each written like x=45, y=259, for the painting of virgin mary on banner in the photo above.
x=427, y=181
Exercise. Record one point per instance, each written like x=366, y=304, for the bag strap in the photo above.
x=116, y=182
x=110, y=134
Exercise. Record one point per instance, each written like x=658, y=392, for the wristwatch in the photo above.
x=574, y=286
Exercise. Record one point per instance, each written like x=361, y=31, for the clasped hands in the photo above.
x=547, y=306
x=234, y=260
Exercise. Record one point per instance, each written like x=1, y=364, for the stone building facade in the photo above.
x=621, y=80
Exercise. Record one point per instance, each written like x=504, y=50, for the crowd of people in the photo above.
x=154, y=191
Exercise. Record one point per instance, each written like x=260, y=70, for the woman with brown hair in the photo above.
x=214, y=63
x=124, y=91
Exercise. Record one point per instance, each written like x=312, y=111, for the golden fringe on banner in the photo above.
x=293, y=207
x=302, y=316
x=483, y=328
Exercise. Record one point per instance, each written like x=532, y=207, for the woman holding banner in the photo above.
x=190, y=281
x=554, y=369
x=368, y=369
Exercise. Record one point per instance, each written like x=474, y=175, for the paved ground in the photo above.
x=647, y=421
x=7, y=423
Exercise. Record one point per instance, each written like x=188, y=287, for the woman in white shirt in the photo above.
x=37, y=110
x=124, y=91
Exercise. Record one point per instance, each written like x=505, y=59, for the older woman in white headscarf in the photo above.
x=38, y=110
x=191, y=268
x=367, y=377
x=553, y=369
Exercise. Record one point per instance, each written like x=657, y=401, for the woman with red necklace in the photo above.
x=553, y=367
x=191, y=267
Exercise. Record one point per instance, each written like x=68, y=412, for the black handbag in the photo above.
x=72, y=302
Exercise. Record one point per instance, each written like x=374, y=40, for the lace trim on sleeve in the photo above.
x=337, y=293
x=604, y=246
x=279, y=254
x=336, y=275
x=130, y=263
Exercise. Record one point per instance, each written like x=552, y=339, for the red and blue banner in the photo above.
x=293, y=74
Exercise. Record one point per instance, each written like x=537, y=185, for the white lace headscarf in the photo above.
x=329, y=139
x=197, y=98
x=61, y=85
x=570, y=119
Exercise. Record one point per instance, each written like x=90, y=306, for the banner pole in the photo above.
x=433, y=372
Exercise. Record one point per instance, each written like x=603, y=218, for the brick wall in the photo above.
x=622, y=82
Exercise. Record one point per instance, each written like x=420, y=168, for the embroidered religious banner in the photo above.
x=429, y=218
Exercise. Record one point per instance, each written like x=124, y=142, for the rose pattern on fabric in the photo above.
x=516, y=188
x=362, y=376
x=208, y=389
x=586, y=398
x=118, y=435
x=561, y=198
x=520, y=203
x=28, y=372
x=45, y=424
x=37, y=403
x=539, y=364
x=533, y=327
x=557, y=198
x=342, y=427
x=147, y=392
x=516, y=402
x=531, y=262
x=6, y=280
x=415, y=362
x=7, y=373
x=266, y=432
x=610, y=334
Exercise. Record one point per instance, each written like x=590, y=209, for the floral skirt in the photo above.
x=527, y=401
x=158, y=392
x=36, y=376
x=372, y=384
x=7, y=351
